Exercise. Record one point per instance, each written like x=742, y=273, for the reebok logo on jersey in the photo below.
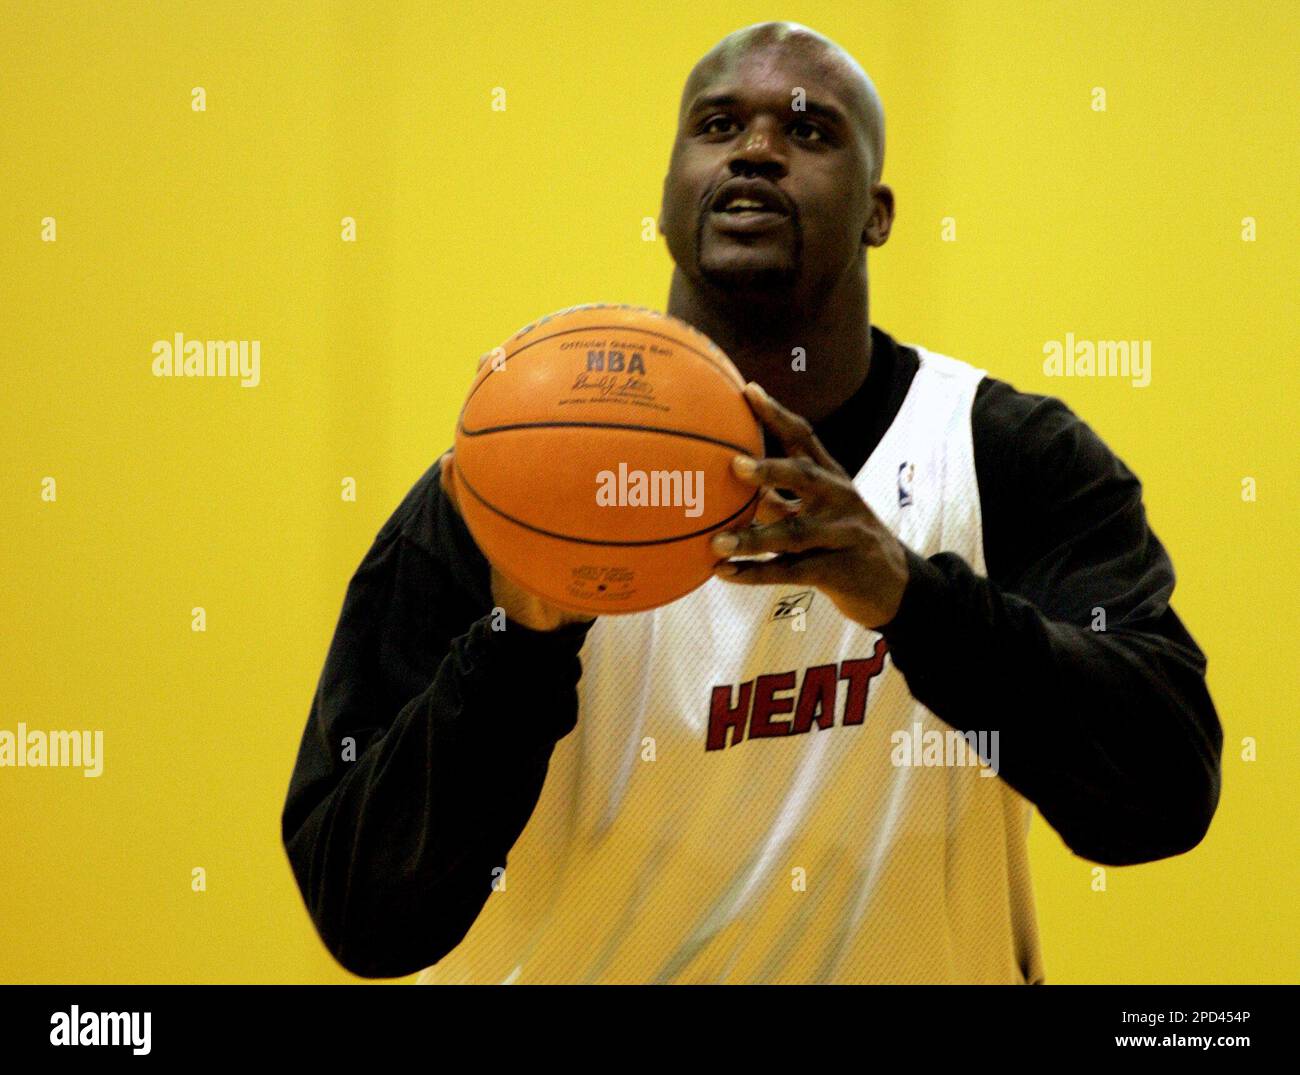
x=749, y=709
x=792, y=604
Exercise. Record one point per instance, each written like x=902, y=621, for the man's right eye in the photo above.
x=707, y=126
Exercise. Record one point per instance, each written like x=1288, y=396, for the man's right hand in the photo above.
x=520, y=605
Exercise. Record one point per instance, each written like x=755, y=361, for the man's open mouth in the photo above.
x=745, y=217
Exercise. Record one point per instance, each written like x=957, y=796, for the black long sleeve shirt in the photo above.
x=408, y=787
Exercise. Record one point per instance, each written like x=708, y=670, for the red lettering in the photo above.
x=859, y=674
x=722, y=716
x=816, y=696
x=766, y=703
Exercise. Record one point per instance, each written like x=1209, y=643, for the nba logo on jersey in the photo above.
x=906, y=472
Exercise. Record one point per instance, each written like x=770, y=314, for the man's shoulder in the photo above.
x=426, y=520
x=416, y=517
x=1002, y=411
x=1017, y=430
x=1048, y=483
x=1010, y=426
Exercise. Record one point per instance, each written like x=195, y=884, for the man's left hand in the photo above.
x=828, y=538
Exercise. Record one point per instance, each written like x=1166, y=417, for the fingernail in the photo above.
x=724, y=544
x=745, y=466
x=758, y=388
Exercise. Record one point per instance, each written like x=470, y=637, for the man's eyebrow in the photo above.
x=823, y=109
x=827, y=112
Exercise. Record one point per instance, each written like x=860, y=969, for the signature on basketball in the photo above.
x=606, y=385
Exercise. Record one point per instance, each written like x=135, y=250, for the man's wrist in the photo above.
x=518, y=638
x=922, y=599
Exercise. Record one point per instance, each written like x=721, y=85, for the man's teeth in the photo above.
x=739, y=205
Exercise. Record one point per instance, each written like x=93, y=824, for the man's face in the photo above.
x=742, y=135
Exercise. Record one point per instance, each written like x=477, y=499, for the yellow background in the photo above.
x=177, y=493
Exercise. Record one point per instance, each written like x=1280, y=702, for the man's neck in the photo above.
x=812, y=362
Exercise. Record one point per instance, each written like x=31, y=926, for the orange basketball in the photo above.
x=593, y=457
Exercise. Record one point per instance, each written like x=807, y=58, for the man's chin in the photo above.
x=770, y=280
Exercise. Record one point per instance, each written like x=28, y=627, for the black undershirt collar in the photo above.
x=853, y=430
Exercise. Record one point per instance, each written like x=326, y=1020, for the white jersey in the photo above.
x=736, y=803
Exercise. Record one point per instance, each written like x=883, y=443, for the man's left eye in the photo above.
x=810, y=127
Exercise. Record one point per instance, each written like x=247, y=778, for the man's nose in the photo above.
x=759, y=151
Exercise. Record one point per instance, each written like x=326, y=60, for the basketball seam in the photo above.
x=606, y=425
x=460, y=477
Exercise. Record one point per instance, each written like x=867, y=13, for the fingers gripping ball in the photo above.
x=593, y=457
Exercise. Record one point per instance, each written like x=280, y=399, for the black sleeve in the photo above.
x=452, y=723
x=1110, y=732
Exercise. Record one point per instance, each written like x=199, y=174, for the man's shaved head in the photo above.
x=836, y=66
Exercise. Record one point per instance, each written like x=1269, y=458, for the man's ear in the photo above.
x=881, y=222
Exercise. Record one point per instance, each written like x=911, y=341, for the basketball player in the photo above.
x=743, y=785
